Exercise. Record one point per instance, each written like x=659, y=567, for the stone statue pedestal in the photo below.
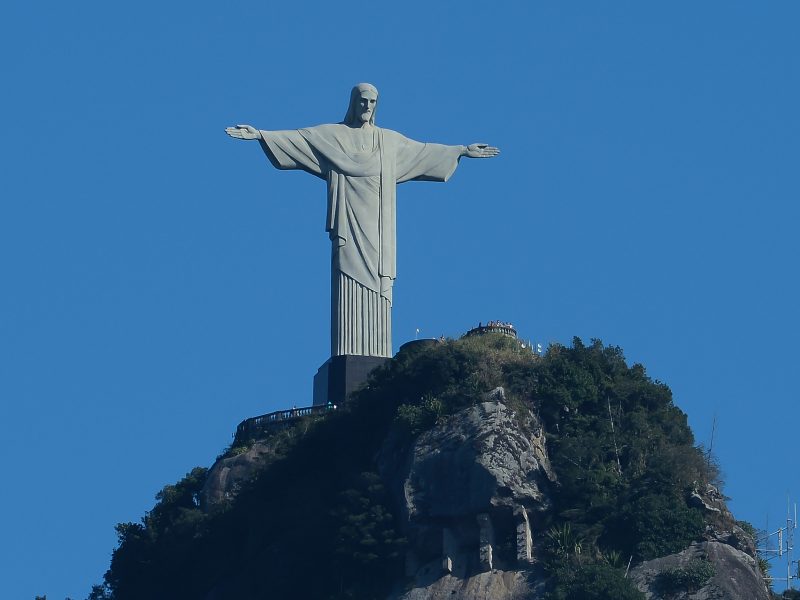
x=340, y=376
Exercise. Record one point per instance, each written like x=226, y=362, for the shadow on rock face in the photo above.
x=469, y=489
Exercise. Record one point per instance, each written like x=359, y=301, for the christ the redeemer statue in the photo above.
x=362, y=165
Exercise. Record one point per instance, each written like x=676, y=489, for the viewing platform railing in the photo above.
x=252, y=427
x=502, y=328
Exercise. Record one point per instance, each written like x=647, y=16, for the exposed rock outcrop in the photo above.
x=227, y=474
x=710, y=500
x=736, y=574
x=470, y=490
x=482, y=586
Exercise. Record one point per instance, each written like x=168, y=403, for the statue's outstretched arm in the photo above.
x=480, y=151
x=243, y=132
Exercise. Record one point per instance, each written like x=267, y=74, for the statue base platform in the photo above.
x=340, y=376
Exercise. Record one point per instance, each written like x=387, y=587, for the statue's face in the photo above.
x=365, y=106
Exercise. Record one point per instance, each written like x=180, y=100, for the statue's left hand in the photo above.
x=243, y=132
x=481, y=151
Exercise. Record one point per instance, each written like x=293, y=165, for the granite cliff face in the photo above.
x=727, y=555
x=229, y=473
x=472, y=489
x=733, y=573
x=468, y=490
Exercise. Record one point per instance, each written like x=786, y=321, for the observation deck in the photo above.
x=500, y=327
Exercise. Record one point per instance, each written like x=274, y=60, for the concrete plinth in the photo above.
x=340, y=376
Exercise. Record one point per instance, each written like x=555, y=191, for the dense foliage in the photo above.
x=690, y=577
x=593, y=581
x=624, y=453
x=318, y=523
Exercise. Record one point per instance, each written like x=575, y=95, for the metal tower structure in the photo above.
x=783, y=549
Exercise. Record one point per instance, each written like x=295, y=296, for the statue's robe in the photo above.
x=362, y=178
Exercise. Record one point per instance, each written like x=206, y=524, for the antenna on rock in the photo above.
x=785, y=545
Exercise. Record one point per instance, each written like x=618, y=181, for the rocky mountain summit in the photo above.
x=473, y=470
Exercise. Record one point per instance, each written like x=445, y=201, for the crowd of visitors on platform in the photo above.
x=496, y=324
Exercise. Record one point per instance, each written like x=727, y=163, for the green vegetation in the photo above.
x=594, y=581
x=317, y=521
x=748, y=528
x=622, y=489
x=688, y=578
x=100, y=592
x=578, y=576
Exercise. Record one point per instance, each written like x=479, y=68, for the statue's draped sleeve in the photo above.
x=406, y=160
x=290, y=150
x=417, y=161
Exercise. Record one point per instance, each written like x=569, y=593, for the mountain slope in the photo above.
x=469, y=469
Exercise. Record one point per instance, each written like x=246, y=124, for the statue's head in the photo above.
x=363, y=102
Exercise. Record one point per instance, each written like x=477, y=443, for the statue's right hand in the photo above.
x=243, y=132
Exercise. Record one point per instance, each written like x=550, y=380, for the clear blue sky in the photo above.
x=159, y=282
